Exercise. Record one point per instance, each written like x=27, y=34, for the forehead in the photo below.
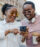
x=14, y=9
x=27, y=6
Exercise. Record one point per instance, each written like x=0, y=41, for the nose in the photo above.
x=28, y=12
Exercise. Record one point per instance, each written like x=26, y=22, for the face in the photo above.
x=11, y=14
x=28, y=11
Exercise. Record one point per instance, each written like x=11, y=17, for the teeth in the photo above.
x=28, y=15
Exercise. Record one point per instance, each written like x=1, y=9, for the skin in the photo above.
x=11, y=15
x=28, y=11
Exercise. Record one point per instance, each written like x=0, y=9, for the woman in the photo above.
x=9, y=25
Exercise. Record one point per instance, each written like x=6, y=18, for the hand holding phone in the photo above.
x=23, y=28
x=24, y=31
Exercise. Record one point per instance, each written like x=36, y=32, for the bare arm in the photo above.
x=14, y=31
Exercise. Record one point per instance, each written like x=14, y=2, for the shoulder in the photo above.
x=25, y=21
x=38, y=17
x=1, y=22
x=1, y=25
x=18, y=23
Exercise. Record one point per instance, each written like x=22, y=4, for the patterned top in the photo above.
x=33, y=27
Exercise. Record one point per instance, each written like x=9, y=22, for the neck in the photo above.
x=9, y=21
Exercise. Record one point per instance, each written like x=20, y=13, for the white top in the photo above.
x=6, y=26
x=11, y=39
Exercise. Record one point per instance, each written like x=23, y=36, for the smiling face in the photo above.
x=28, y=11
x=11, y=14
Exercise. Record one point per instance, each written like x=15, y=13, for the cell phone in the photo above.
x=23, y=28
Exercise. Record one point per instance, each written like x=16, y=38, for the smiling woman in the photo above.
x=9, y=25
x=10, y=12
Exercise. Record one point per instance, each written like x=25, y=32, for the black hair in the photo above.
x=31, y=3
x=6, y=7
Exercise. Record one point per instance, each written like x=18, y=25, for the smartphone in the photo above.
x=23, y=28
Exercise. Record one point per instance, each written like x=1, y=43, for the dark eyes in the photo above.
x=29, y=11
x=12, y=13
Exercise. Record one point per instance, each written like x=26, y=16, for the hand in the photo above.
x=38, y=39
x=23, y=39
x=25, y=34
x=15, y=31
x=38, y=36
x=7, y=32
x=35, y=34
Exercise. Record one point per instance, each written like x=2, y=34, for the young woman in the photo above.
x=9, y=25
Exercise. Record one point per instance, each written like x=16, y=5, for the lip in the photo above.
x=12, y=18
x=28, y=15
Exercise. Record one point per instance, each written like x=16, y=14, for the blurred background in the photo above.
x=19, y=4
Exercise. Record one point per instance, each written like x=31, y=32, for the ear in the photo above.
x=17, y=14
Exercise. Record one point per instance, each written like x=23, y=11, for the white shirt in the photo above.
x=11, y=40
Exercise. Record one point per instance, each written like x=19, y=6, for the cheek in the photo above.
x=27, y=16
x=8, y=13
x=32, y=11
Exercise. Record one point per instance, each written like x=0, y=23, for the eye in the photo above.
x=29, y=11
x=12, y=13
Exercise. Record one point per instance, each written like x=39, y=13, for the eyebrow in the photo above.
x=26, y=10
